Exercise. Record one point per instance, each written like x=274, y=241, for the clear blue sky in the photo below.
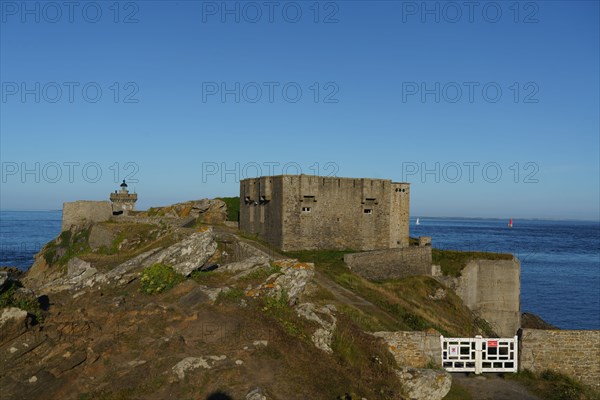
x=368, y=105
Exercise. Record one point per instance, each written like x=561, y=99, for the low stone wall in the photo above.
x=492, y=289
x=414, y=349
x=573, y=353
x=392, y=263
x=84, y=212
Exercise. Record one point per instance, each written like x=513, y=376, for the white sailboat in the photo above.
x=418, y=223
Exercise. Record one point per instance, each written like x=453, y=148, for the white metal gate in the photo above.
x=479, y=354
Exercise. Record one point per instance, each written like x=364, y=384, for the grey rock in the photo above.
x=293, y=279
x=425, y=384
x=190, y=363
x=76, y=267
x=257, y=394
x=324, y=317
x=187, y=255
x=246, y=266
x=13, y=323
x=3, y=279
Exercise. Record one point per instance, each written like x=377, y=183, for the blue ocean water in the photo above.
x=560, y=260
x=24, y=233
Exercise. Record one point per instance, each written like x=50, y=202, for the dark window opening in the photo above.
x=368, y=211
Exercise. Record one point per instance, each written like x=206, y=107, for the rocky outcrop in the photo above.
x=325, y=320
x=257, y=394
x=207, y=211
x=192, y=363
x=245, y=267
x=3, y=280
x=212, y=211
x=100, y=237
x=13, y=323
x=189, y=254
x=291, y=281
x=532, y=321
x=425, y=384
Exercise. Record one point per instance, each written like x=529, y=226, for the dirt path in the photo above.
x=492, y=387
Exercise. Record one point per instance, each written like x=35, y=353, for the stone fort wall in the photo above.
x=81, y=213
x=391, y=264
x=302, y=212
x=574, y=353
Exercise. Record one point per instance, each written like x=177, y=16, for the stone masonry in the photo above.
x=302, y=212
x=573, y=353
x=81, y=213
x=391, y=264
x=414, y=349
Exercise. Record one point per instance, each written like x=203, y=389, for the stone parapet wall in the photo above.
x=414, y=349
x=573, y=353
x=391, y=264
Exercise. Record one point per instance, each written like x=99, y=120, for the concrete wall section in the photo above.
x=491, y=288
x=261, y=208
x=573, y=353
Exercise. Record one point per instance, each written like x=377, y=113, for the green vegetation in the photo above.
x=114, y=248
x=551, y=385
x=405, y=304
x=453, y=261
x=158, y=278
x=232, y=295
x=261, y=274
x=12, y=297
x=278, y=308
x=233, y=208
x=66, y=246
x=211, y=278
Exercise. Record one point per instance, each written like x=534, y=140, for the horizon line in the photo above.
x=410, y=218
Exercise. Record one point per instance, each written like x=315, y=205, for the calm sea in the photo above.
x=560, y=260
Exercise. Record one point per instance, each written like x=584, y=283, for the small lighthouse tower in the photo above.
x=123, y=201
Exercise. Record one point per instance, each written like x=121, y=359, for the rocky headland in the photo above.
x=175, y=302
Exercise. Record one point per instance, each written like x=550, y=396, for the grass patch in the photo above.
x=367, y=322
x=261, y=274
x=278, y=308
x=159, y=277
x=453, y=261
x=68, y=245
x=551, y=385
x=233, y=208
x=232, y=295
x=210, y=278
